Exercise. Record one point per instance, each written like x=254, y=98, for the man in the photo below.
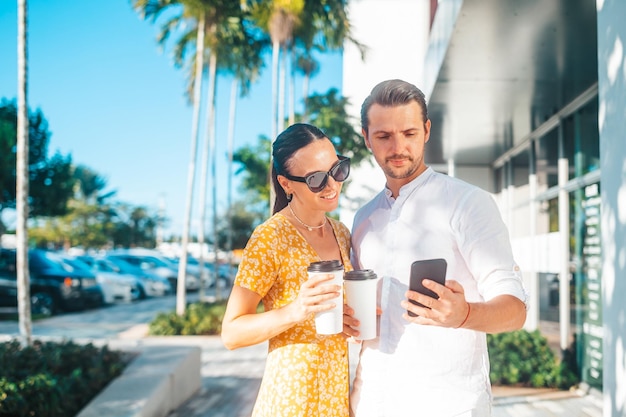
x=436, y=363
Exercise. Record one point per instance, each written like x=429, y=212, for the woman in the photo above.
x=306, y=374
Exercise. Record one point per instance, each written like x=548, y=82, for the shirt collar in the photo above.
x=408, y=188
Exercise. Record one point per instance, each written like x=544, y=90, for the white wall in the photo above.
x=612, y=125
x=396, y=32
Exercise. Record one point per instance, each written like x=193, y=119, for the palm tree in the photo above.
x=329, y=112
x=279, y=18
x=325, y=27
x=225, y=36
x=227, y=39
x=210, y=152
x=314, y=24
x=229, y=184
x=245, y=62
x=23, y=278
x=308, y=67
x=153, y=9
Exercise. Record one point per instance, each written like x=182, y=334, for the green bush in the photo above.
x=53, y=379
x=199, y=319
x=524, y=358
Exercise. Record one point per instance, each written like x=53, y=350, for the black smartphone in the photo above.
x=432, y=269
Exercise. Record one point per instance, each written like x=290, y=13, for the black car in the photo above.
x=8, y=285
x=53, y=287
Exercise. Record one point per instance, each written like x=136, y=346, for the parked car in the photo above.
x=115, y=287
x=224, y=279
x=152, y=285
x=154, y=262
x=8, y=285
x=228, y=271
x=53, y=286
x=225, y=275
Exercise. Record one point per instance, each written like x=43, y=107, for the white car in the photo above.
x=151, y=285
x=115, y=287
x=225, y=273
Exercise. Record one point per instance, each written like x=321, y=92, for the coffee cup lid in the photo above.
x=359, y=275
x=325, y=266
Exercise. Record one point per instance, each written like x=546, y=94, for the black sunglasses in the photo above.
x=317, y=181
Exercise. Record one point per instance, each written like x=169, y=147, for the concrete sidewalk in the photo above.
x=231, y=379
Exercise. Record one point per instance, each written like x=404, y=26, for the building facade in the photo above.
x=527, y=100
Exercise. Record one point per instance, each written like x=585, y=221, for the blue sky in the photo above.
x=116, y=103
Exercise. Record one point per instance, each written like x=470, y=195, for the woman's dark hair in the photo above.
x=393, y=93
x=292, y=139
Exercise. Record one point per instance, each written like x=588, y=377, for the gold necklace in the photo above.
x=304, y=224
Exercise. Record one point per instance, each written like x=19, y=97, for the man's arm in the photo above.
x=503, y=313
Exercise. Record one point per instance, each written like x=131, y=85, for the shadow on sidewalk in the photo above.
x=222, y=397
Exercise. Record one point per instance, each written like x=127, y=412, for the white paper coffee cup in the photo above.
x=360, y=287
x=329, y=321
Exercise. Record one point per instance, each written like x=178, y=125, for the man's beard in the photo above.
x=401, y=173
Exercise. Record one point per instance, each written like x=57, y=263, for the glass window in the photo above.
x=547, y=160
x=521, y=169
x=581, y=133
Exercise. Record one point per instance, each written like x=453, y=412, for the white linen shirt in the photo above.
x=417, y=370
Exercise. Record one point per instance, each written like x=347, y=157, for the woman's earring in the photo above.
x=289, y=197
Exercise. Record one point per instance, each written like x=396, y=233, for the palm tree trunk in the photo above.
x=210, y=137
x=202, y=203
x=275, y=68
x=218, y=290
x=23, y=278
x=203, y=180
x=305, y=96
x=181, y=287
x=229, y=190
x=281, y=90
x=292, y=87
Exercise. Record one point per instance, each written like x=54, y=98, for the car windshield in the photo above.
x=74, y=265
x=124, y=266
x=106, y=266
x=147, y=261
x=43, y=259
x=157, y=262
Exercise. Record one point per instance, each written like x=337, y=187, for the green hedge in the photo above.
x=199, y=319
x=53, y=379
x=524, y=358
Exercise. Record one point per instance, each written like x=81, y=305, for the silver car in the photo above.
x=154, y=262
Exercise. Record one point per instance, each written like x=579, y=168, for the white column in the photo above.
x=532, y=318
x=451, y=168
x=510, y=194
x=612, y=126
x=564, y=271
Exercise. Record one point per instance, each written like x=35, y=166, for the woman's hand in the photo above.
x=313, y=293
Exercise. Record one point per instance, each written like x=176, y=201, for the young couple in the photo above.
x=432, y=364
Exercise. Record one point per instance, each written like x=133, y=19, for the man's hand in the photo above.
x=450, y=310
x=350, y=322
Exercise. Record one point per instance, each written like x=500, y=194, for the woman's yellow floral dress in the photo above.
x=306, y=374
